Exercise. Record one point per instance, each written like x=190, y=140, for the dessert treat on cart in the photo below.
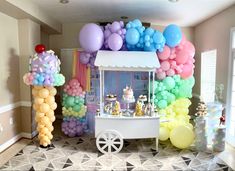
x=149, y=111
x=128, y=94
x=116, y=108
x=142, y=98
x=111, y=97
x=139, y=109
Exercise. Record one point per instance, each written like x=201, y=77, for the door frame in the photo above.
x=230, y=139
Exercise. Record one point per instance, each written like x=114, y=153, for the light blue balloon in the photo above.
x=149, y=48
x=173, y=35
x=158, y=37
x=132, y=36
x=149, y=31
x=137, y=22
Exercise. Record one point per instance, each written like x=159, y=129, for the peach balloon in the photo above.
x=53, y=106
x=43, y=93
x=50, y=99
x=52, y=91
x=44, y=108
x=38, y=100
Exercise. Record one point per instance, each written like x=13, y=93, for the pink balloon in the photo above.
x=161, y=75
x=187, y=71
x=164, y=54
x=182, y=56
x=170, y=72
x=190, y=48
x=165, y=65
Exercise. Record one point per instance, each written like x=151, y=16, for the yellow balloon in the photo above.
x=50, y=113
x=53, y=106
x=52, y=91
x=39, y=114
x=164, y=133
x=50, y=99
x=38, y=100
x=43, y=93
x=44, y=120
x=51, y=128
x=44, y=108
x=182, y=137
x=44, y=130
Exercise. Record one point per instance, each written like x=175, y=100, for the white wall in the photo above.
x=214, y=33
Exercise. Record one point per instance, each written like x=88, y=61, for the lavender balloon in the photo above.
x=84, y=57
x=91, y=37
x=114, y=35
x=72, y=127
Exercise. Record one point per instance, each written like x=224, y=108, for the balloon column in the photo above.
x=74, y=109
x=174, y=77
x=43, y=74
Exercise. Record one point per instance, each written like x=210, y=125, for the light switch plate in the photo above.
x=1, y=128
x=11, y=121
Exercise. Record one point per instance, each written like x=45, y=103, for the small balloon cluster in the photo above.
x=44, y=105
x=114, y=35
x=177, y=60
x=44, y=68
x=73, y=110
x=141, y=39
x=73, y=127
x=172, y=88
x=88, y=59
x=177, y=115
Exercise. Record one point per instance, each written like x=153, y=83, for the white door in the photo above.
x=230, y=110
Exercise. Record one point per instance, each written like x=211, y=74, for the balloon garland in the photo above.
x=44, y=68
x=174, y=77
x=73, y=109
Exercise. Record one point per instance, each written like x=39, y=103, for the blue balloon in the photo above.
x=137, y=23
x=173, y=35
x=158, y=37
x=150, y=48
x=149, y=31
x=132, y=36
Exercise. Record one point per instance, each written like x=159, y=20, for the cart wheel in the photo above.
x=109, y=141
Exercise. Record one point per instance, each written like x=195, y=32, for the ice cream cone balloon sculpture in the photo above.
x=44, y=68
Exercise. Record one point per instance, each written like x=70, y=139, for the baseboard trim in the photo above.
x=12, y=106
x=7, y=144
x=13, y=140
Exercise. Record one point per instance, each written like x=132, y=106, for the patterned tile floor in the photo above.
x=82, y=154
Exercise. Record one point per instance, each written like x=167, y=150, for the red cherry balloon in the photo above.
x=40, y=48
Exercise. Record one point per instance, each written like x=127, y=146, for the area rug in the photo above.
x=80, y=153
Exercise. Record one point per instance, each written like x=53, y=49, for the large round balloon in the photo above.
x=115, y=42
x=173, y=35
x=91, y=37
x=182, y=137
x=132, y=36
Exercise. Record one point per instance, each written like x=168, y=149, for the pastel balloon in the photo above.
x=44, y=108
x=182, y=56
x=91, y=37
x=132, y=36
x=165, y=65
x=115, y=26
x=173, y=35
x=165, y=54
x=43, y=93
x=190, y=48
x=187, y=71
x=164, y=134
x=115, y=42
x=182, y=137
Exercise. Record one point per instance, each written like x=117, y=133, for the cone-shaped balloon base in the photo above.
x=44, y=105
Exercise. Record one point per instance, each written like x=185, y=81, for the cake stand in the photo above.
x=128, y=112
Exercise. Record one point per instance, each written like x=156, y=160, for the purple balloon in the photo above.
x=115, y=42
x=91, y=37
x=84, y=58
x=107, y=33
x=115, y=26
x=72, y=124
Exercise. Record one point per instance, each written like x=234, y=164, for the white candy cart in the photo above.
x=110, y=130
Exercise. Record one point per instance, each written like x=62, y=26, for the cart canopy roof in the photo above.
x=127, y=61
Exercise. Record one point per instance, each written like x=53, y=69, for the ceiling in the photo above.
x=159, y=12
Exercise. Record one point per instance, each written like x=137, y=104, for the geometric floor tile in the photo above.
x=80, y=153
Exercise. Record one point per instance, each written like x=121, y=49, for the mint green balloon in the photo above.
x=170, y=98
x=76, y=108
x=169, y=83
x=162, y=104
x=70, y=101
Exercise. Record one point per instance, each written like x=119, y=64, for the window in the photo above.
x=208, y=75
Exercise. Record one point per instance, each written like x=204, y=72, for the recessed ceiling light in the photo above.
x=124, y=17
x=173, y=1
x=64, y=1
